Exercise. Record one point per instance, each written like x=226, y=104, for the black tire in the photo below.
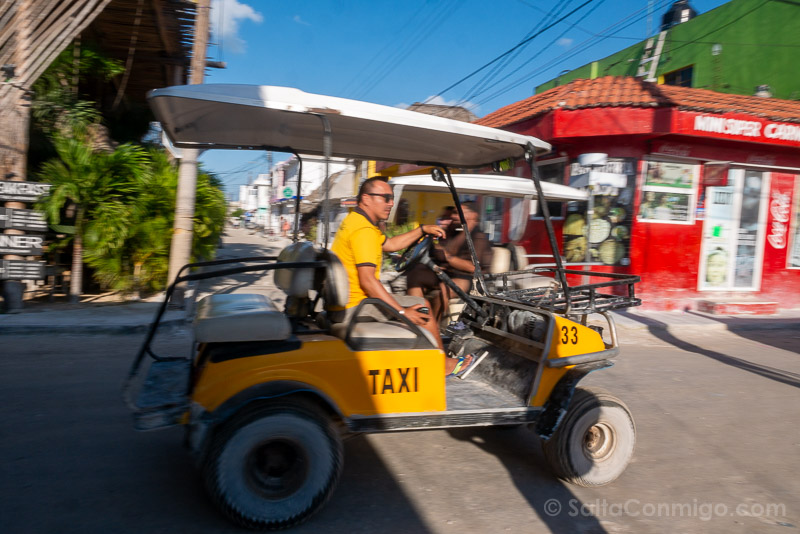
x=275, y=468
x=594, y=443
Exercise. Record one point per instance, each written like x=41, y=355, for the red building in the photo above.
x=710, y=216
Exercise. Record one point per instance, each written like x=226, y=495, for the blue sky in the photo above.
x=404, y=51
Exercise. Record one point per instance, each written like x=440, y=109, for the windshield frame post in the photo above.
x=477, y=275
x=296, y=225
x=530, y=157
x=327, y=150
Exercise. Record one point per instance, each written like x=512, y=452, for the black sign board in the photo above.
x=22, y=245
x=22, y=220
x=21, y=270
x=23, y=191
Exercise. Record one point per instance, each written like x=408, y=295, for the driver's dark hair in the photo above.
x=368, y=186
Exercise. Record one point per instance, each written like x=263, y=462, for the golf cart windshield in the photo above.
x=421, y=190
x=484, y=185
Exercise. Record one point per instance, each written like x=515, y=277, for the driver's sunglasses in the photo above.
x=387, y=197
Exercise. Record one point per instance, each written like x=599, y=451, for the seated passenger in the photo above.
x=452, y=255
x=360, y=244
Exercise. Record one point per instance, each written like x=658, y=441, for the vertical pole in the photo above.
x=181, y=246
x=327, y=148
x=589, y=217
x=15, y=122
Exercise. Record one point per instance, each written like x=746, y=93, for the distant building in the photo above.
x=449, y=112
x=735, y=48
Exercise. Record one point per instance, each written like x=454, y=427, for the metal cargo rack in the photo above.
x=564, y=299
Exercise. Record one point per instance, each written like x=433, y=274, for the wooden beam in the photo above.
x=161, y=27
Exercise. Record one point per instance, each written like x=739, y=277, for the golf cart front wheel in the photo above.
x=594, y=443
x=274, y=469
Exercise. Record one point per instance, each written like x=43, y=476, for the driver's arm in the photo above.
x=399, y=242
x=374, y=289
x=459, y=264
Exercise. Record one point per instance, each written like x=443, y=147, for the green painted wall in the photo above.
x=760, y=42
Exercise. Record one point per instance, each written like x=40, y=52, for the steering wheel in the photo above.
x=414, y=253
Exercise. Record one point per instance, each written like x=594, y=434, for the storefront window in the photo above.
x=608, y=234
x=668, y=193
x=733, y=233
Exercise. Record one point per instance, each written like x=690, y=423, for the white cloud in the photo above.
x=298, y=20
x=566, y=42
x=226, y=16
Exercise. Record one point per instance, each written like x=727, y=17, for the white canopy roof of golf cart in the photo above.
x=284, y=119
x=490, y=185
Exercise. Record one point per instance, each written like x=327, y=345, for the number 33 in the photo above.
x=566, y=331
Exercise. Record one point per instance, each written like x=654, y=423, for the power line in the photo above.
x=479, y=86
x=569, y=54
x=511, y=50
x=415, y=40
x=541, y=50
x=389, y=43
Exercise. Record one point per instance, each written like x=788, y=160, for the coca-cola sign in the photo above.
x=779, y=208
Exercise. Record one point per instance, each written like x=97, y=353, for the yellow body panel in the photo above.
x=568, y=339
x=363, y=383
x=425, y=207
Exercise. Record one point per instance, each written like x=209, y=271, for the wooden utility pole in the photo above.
x=180, y=251
x=15, y=145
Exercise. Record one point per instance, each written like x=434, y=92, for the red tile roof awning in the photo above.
x=625, y=91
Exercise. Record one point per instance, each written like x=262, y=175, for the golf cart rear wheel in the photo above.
x=594, y=443
x=274, y=469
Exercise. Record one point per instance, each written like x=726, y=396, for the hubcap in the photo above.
x=599, y=442
x=277, y=468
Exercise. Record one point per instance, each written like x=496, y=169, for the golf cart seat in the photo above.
x=235, y=317
x=362, y=332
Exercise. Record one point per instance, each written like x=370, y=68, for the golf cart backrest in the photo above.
x=508, y=257
x=361, y=332
x=335, y=286
x=296, y=282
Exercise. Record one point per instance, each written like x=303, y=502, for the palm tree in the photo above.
x=95, y=183
x=129, y=248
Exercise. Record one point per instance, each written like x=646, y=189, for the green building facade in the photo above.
x=731, y=49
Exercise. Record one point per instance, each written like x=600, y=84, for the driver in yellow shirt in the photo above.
x=360, y=244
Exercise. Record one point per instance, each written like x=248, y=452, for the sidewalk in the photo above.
x=131, y=318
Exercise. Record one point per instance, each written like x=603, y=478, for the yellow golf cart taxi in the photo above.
x=268, y=392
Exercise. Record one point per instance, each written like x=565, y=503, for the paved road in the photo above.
x=716, y=415
x=716, y=418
